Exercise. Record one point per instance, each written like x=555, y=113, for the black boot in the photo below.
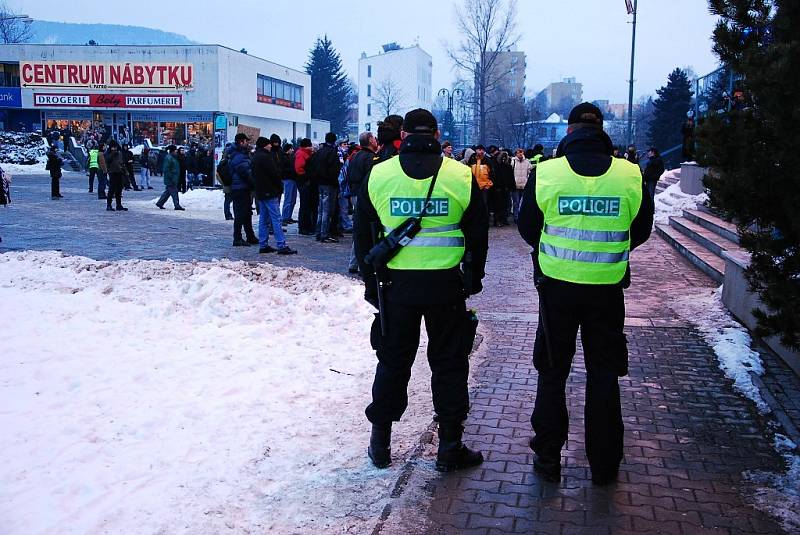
x=379, y=451
x=453, y=454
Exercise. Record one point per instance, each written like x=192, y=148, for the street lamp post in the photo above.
x=630, y=82
x=451, y=94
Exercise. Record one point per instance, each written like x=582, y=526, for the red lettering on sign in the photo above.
x=72, y=74
x=26, y=73
x=61, y=78
x=151, y=71
x=127, y=77
x=138, y=75
x=84, y=74
x=186, y=75
x=114, y=74
x=161, y=70
x=98, y=74
x=173, y=76
x=38, y=76
x=50, y=73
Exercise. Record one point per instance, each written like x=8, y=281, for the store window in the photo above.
x=9, y=75
x=273, y=91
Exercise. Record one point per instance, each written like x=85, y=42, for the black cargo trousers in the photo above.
x=449, y=345
x=599, y=311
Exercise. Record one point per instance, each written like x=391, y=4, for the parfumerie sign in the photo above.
x=74, y=100
x=166, y=76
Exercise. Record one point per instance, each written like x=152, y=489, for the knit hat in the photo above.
x=389, y=129
x=275, y=139
x=586, y=114
x=420, y=121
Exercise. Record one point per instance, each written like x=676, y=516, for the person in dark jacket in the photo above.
x=54, y=163
x=501, y=191
x=130, y=178
x=115, y=163
x=687, y=135
x=326, y=167
x=597, y=308
x=172, y=174
x=241, y=187
x=181, y=157
x=435, y=293
x=653, y=171
x=358, y=170
x=192, y=166
x=308, y=191
x=389, y=137
x=268, y=186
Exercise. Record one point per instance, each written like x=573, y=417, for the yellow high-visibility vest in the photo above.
x=587, y=220
x=396, y=197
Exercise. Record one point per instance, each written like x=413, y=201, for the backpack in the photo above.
x=224, y=171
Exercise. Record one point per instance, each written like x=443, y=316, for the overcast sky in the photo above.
x=587, y=39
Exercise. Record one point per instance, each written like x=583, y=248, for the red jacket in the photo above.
x=300, y=159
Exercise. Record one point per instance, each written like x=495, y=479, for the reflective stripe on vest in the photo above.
x=93, y=157
x=396, y=197
x=586, y=236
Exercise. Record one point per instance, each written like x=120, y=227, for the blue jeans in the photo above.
x=326, y=200
x=344, y=220
x=269, y=209
x=516, y=199
x=289, y=199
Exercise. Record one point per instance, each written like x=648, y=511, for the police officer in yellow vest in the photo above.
x=583, y=212
x=425, y=280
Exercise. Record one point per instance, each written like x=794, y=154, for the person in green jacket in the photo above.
x=172, y=172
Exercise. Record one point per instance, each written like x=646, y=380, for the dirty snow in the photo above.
x=729, y=339
x=203, y=398
x=779, y=494
x=672, y=202
x=204, y=204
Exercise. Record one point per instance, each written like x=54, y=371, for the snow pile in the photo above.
x=779, y=494
x=204, y=204
x=729, y=339
x=22, y=148
x=672, y=202
x=165, y=397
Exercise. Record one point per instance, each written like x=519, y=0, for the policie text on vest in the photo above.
x=411, y=207
x=591, y=206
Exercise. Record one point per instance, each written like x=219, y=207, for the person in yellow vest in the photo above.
x=583, y=212
x=430, y=277
x=97, y=168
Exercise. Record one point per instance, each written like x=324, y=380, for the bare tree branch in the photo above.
x=488, y=27
x=13, y=28
x=388, y=96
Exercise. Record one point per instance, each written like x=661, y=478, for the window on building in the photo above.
x=369, y=90
x=368, y=127
x=9, y=75
x=553, y=133
x=369, y=71
x=273, y=91
x=369, y=110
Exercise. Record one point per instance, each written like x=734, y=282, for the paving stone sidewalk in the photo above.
x=689, y=436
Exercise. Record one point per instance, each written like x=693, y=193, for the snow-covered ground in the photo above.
x=672, y=201
x=21, y=170
x=164, y=397
x=205, y=204
x=775, y=493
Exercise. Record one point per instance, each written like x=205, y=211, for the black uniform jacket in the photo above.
x=588, y=151
x=420, y=156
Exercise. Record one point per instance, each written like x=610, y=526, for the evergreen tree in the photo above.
x=331, y=92
x=753, y=151
x=669, y=111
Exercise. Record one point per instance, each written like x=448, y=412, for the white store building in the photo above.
x=393, y=82
x=164, y=94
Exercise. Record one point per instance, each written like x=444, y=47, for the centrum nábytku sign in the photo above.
x=166, y=76
x=76, y=100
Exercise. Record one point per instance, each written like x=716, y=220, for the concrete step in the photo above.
x=699, y=256
x=707, y=238
x=714, y=224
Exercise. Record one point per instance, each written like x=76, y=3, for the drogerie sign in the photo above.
x=52, y=100
x=167, y=76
